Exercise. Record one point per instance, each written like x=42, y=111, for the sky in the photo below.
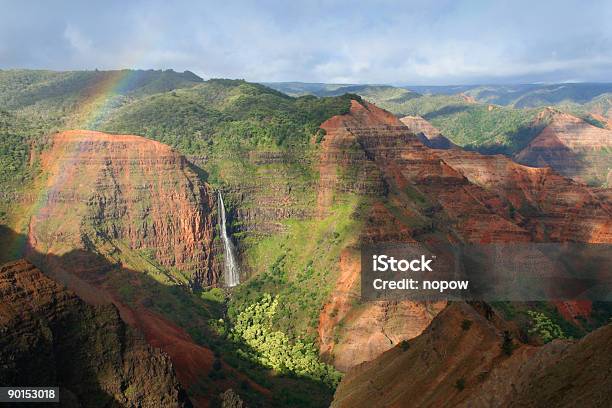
x=415, y=42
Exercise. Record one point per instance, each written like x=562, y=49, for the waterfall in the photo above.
x=232, y=273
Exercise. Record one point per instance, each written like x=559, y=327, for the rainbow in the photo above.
x=101, y=97
x=96, y=101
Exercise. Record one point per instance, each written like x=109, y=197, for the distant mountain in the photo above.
x=529, y=96
x=378, y=92
x=304, y=88
x=520, y=96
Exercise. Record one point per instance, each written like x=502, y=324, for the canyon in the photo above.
x=131, y=224
x=432, y=196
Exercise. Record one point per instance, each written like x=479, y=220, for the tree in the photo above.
x=543, y=327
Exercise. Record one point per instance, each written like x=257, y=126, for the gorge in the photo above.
x=132, y=217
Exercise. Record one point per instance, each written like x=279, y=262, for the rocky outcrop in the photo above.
x=468, y=359
x=128, y=197
x=429, y=135
x=483, y=198
x=551, y=207
x=51, y=337
x=573, y=148
x=351, y=332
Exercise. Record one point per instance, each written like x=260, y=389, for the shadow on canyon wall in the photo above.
x=176, y=320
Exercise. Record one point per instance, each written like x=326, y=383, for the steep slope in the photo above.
x=434, y=197
x=133, y=199
x=427, y=133
x=551, y=207
x=602, y=105
x=51, y=337
x=454, y=363
x=126, y=220
x=573, y=148
x=466, y=185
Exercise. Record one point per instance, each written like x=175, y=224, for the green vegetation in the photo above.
x=431, y=105
x=544, y=327
x=14, y=148
x=60, y=91
x=220, y=112
x=486, y=128
x=273, y=348
x=521, y=313
x=496, y=130
x=299, y=266
x=507, y=345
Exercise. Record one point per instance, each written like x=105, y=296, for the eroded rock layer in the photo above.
x=468, y=359
x=435, y=197
x=573, y=148
x=51, y=337
x=429, y=135
x=125, y=195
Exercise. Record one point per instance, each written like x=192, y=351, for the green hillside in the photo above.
x=249, y=115
x=53, y=98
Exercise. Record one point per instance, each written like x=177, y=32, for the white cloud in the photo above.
x=415, y=41
x=77, y=40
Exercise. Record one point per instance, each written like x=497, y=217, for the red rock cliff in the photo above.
x=125, y=194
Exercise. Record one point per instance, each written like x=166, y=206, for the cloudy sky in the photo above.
x=398, y=42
